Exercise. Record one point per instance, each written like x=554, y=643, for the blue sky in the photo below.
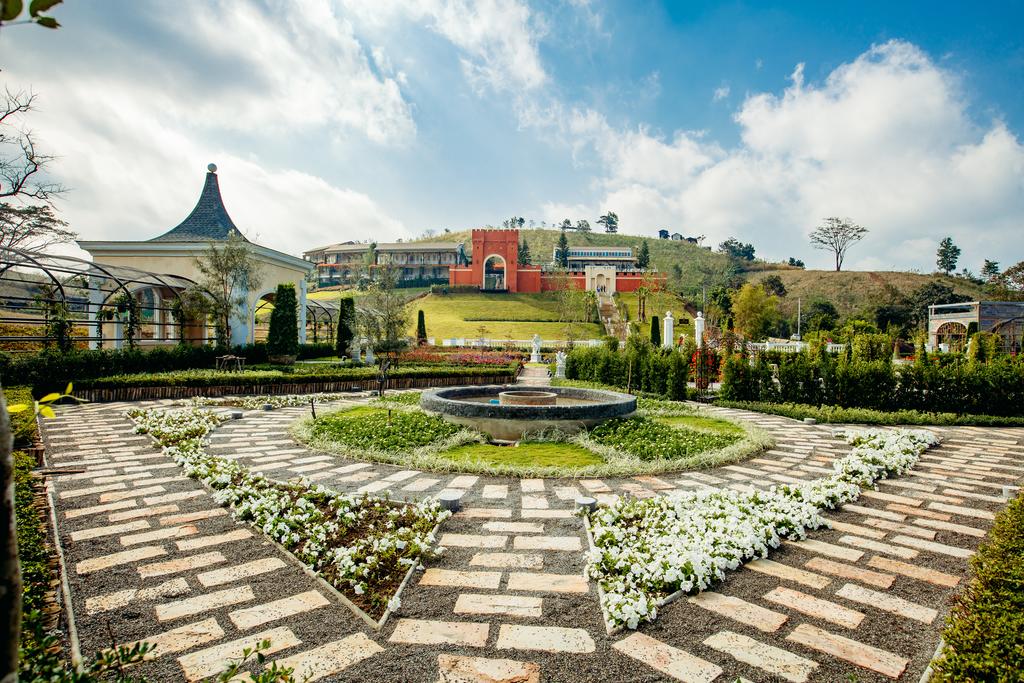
x=358, y=119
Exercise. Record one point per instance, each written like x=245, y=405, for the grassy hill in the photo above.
x=855, y=291
x=495, y=316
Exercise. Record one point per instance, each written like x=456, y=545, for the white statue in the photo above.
x=698, y=329
x=560, y=365
x=369, y=352
x=535, y=355
x=355, y=351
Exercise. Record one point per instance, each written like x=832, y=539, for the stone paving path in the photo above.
x=149, y=555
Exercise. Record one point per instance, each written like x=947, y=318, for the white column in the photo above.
x=668, y=338
x=698, y=329
x=302, y=311
x=242, y=322
x=95, y=299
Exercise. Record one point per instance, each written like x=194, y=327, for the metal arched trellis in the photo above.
x=48, y=299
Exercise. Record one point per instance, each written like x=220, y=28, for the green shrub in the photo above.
x=985, y=632
x=655, y=332
x=421, y=327
x=639, y=368
x=650, y=440
x=23, y=424
x=842, y=415
x=283, y=336
x=381, y=430
x=346, y=325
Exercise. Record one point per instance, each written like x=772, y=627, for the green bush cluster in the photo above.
x=639, y=368
x=284, y=375
x=955, y=385
x=283, y=335
x=650, y=440
x=985, y=632
x=840, y=415
x=51, y=370
x=23, y=424
x=381, y=430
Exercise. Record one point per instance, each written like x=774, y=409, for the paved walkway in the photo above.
x=150, y=556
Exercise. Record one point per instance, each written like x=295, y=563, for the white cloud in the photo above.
x=885, y=139
x=721, y=92
x=497, y=38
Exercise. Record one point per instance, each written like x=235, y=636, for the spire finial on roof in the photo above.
x=212, y=168
x=209, y=219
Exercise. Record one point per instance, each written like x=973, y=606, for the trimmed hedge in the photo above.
x=950, y=386
x=23, y=424
x=641, y=368
x=51, y=370
x=311, y=375
x=837, y=414
x=985, y=632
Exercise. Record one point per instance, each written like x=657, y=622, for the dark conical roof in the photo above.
x=209, y=220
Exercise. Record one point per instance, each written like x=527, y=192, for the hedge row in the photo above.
x=52, y=369
x=640, y=368
x=839, y=415
x=23, y=424
x=960, y=387
x=310, y=375
x=985, y=632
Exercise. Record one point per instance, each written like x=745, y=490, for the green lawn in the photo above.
x=657, y=304
x=700, y=422
x=503, y=316
x=548, y=454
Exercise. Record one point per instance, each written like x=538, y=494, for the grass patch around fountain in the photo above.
x=666, y=436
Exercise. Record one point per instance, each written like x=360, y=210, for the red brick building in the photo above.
x=495, y=267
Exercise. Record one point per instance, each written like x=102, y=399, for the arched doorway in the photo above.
x=600, y=282
x=953, y=335
x=1011, y=335
x=494, y=273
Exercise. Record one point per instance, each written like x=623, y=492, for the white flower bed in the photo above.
x=257, y=402
x=648, y=549
x=362, y=545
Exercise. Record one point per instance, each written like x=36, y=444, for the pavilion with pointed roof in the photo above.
x=176, y=250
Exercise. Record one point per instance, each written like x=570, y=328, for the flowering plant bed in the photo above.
x=257, y=402
x=650, y=440
x=361, y=545
x=647, y=552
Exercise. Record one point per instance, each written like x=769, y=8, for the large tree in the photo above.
x=33, y=227
x=524, y=256
x=947, y=256
x=643, y=257
x=610, y=221
x=583, y=225
x=22, y=163
x=562, y=251
x=755, y=312
x=837, y=235
x=990, y=270
x=228, y=272
x=733, y=248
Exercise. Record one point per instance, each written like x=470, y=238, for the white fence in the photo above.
x=791, y=347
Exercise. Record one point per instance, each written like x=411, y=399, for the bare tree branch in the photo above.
x=837, y=235
x=22, y=165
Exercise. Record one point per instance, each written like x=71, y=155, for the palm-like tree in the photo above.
x=610, y=221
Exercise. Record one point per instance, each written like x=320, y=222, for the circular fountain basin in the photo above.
x=566, y=409
x=527, y=398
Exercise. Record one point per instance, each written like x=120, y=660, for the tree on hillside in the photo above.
x=583, y=225
x=643, y=257
x=566, y=224
x=562, y=252
x=421, y=328
x=947, y=256
x=228, y=273
x=1013, y=277
x=931, y=294
x=798, y=263
x=514, y=223
x=524, y=253
x=990, y=270
x=837, y=235
x=774, y=285
x=733, y=248
x=821, y=315
x=755, y=312
x=610, y=221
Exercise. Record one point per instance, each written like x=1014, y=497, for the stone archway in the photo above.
x=494, y=273
x=953, y=334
